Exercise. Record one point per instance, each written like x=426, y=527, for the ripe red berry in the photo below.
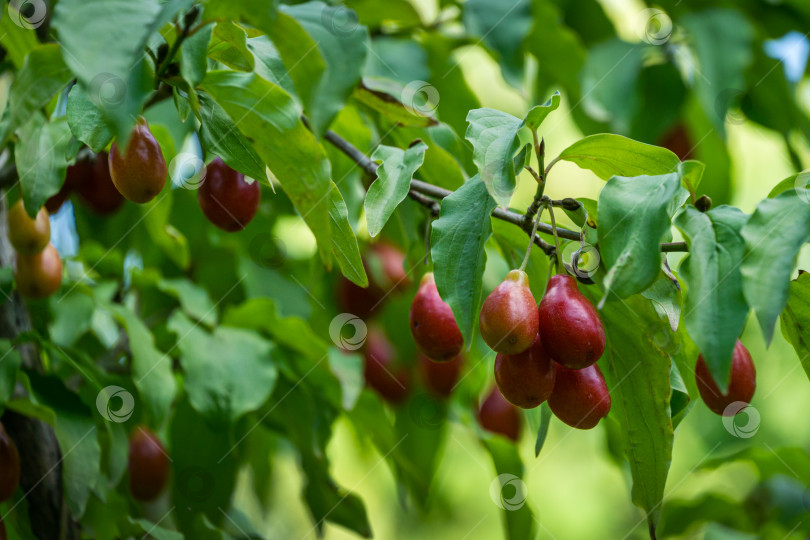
x=742, y=382
x=148, y=465
x=226, y=198
x=441, y=378
x=570, y=327
x=497, y=415
x=580, y=397
x=140, y=172
x=509, y=318
x=433, y=326
x=383, y=370
x=525, y=379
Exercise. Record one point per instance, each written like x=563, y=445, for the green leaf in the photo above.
x=193, y=51
x=110, y=64
x=638, y=374
x=151, y=369
x=41, y=76
x=691, y=175
x=633, y=216
x=722, y=40
x=147, y=528
x=796, y=319
x=10, y=361
x=156, y=218
x=344, y=242
x=799, y=181
x=16, y=39
x=398, y=103
x=228, y=373
x=393, y=182
x=460, y=233
x=609, y=83
x=508, y=491
x=538, y=113
x=261, y=314
x=768, y=264
x=229, y=45
x=610, y=155
x=203, y=474
x=342, y=43
x=502, y=26
x=193, y=298
x=715, y=310
x=41, y=158
x=219, y=135
x=493, y=135
x=271, y=121
x=85, y=120
x=348, y=368
x=542, y=431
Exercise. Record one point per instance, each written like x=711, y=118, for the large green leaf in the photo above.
x=151, y=369
x=460, y=233
x=219, y=134
x=41, y=157
x=715, y=311
x=610, y=155
x=638, y=374
x=503, y=26
x=493, y=135
x=768, y=263
x=386, y=97
x=538, y=113
x=609, y=82
x=633, y=216
x=508, y=491
x=228, y=373
x=17, y=40
x=229, y=45
x=85, y=120
x=342, y=44
x=393, y=182
x=110, y=63
x=344, y=242
x=41, y=76
x=271, y=121
x=796, y=319
x=722, y=40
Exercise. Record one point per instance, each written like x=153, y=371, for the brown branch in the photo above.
x=436, y=192
x=40, y=456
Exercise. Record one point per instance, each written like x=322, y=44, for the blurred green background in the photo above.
x=575, y=488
